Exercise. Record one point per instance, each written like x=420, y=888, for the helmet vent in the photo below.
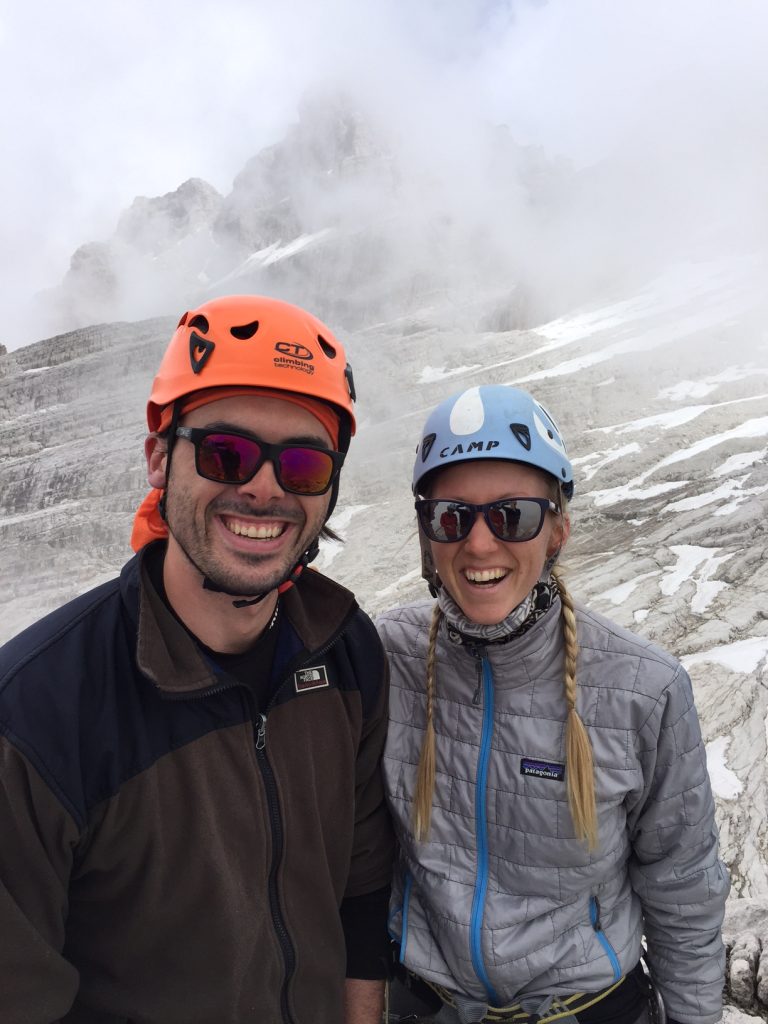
x=326, y=346
x=522, y=433
x=245, y=331
x=199, y=323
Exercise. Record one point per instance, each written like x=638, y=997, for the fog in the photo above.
x=563, y=150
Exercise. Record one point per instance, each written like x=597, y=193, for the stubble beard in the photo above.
x=192, y=535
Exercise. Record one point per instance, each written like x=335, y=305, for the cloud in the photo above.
x=113, y=101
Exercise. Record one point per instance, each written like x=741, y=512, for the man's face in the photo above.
x=243, y=537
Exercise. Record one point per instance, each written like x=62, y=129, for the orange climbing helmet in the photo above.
x=255, y=341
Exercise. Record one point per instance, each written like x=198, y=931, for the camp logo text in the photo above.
x=473, y=446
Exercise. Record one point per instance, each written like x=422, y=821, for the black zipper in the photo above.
x=276, y=829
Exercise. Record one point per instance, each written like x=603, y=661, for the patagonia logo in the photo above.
x=315, y=678
x=287, y=348
x=542, y=769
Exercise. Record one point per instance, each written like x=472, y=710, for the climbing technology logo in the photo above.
x=200, y=350
x=288, y=348
x=293, y=357
x=554, y=770
x=315, y=678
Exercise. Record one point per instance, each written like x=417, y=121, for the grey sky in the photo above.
x=103, y=102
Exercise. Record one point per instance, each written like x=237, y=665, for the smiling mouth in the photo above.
x=262, y=531
x=484, y=577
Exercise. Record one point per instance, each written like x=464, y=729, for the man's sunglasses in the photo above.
x=231, y=458
x=511, y=519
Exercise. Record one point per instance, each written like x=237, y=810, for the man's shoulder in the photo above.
x=75, y=633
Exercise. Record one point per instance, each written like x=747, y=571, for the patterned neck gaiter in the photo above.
x=462, y=630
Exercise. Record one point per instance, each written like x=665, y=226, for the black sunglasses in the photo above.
x=510, y=519
x=231, y=458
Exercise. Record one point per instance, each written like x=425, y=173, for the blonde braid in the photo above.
x=425, y=782
x=578, y=749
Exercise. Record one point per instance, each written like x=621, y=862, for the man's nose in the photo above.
x=264, y=485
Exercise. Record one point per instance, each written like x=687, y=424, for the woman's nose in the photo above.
x=480, y=537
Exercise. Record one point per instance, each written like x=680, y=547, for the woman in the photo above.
x=544, y=766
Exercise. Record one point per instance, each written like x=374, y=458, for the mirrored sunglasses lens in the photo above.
x=446, y=521
x=305, y=471
x=515, y=520
x=227, y=458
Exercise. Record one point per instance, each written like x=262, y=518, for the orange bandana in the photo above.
x=148, y=524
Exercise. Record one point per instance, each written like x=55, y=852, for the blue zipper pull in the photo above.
x=261, y=732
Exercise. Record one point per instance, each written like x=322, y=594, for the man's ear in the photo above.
x=156, y=453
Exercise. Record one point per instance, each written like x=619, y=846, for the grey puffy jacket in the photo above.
x=503, y=901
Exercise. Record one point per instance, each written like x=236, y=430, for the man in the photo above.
x=192, y=828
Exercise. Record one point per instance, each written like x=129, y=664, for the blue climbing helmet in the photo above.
x=492, y=421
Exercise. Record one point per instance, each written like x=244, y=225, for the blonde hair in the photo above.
x=580, y=777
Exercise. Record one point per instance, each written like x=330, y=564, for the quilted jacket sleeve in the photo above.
x=37, y=837
x=675, y=868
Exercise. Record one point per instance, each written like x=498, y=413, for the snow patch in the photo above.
x=618, y=595
x=725, y=782
x=742, y=656
x=696, y=565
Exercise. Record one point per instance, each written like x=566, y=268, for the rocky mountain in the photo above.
x=339, y=214
x=659, y=383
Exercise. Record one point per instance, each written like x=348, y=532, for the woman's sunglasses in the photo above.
x=511, y=519
x=230, y=458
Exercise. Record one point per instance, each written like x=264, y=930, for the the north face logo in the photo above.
x=315, y=678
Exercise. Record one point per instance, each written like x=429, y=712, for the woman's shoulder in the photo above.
x=398, y=626
x=605, y=645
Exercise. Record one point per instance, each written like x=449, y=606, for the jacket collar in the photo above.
x=316, y=608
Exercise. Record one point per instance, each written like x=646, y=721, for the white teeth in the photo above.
x=485, y=576
x=255, y=532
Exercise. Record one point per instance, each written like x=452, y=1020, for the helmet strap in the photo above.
x=285, y=584
x=171, y=440
x=428, y=570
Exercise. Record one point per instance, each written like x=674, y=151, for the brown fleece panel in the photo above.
x=37, y=837
x=322, y=799
x=301, y=603
x=169, y=920
x=164, y=651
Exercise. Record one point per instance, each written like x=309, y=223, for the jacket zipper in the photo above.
x=610, y=952
x=485, y=682
x=276, y=830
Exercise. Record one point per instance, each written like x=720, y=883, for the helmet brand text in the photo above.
x=473, y=446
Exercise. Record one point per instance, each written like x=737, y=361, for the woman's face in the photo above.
x=485, y=576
